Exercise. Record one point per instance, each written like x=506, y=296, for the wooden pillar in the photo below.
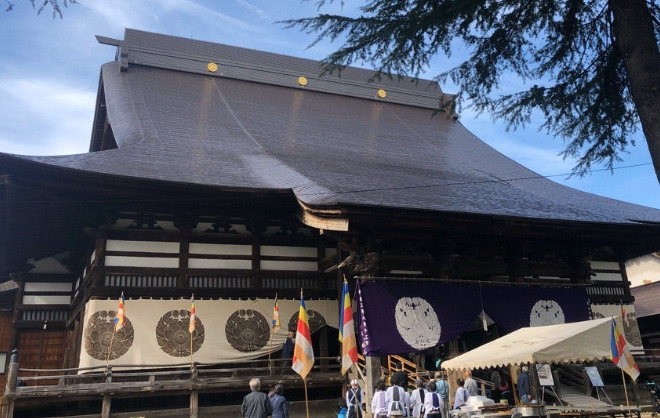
x=194, y=404
x=534, y=387
x=194, y=393
x=555, y=375
x=587, y=382
x=184, y=255
x=323, y=347
x=372, y=376
x=10, y=386
x=635, y=390
x=18, y=303
x=452, y=349
x=256, y=260
x=105, y=408
x=98, y=277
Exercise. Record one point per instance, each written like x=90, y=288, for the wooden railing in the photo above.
x=409, y=367
x=116, y=380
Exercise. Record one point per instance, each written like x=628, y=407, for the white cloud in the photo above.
x=41, y=117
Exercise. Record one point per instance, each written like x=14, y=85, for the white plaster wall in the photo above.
x=642, y=270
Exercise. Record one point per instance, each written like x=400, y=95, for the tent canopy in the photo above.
x=564, y=343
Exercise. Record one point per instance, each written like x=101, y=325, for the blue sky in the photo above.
x=49, y=70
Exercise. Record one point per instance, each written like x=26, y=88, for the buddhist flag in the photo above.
x=624, y=318
x=344, y=291
x=120, y=317
x=275, y=323
x=349, y=354
x=303, y=352
x=620, y=354
x=192, y=326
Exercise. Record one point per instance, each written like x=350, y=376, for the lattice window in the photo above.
x=215, y=282
x=132, y=280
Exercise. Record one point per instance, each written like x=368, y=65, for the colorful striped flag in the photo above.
x=341, y=312
x=624, y=318
x=303, y=352
x=275, y=323
x=620, y=354
x=192, y=326
x=120, y=317
x=349, y=354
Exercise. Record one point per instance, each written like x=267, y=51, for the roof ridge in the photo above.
x=226, y=61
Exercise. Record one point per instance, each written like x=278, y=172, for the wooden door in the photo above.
x=41, y=349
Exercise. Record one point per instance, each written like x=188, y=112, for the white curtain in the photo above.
x=156, y=331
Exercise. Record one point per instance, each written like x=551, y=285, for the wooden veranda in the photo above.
x=30, y=389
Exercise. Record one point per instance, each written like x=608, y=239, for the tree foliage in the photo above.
x=565, y=52
x=41, y=5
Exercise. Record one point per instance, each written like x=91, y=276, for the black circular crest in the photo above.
x=629, y=326
x=247, y=330
x=173, y=336
x=99, y=336
x=316, y=320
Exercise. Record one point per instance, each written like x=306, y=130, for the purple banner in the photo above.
x=515, y=307
x=398, y=317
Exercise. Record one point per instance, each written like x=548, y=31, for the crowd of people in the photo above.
x=426, y=400
x=432, y=399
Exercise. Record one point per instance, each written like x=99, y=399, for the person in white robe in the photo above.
x=379, y=402
x=462, y=394
x=433, y=403
x=404, y=399
x=417, y=399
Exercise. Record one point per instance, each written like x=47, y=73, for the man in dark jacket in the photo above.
x=523, y=385
x=287, y=352
x=400, y=377
x=256, y=403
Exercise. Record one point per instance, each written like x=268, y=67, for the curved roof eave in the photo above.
x=175, y=122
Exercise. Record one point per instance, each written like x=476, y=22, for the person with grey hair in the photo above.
x=256, y=403
x=470, y=383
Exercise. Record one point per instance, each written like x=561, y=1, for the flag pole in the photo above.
x=107, y=357
x=192, y=328
x=272, y=329
x=306, y=401
x=191, y=348
x=303, y=379
x=116, y=322
x=625, y=391
x=270, y=363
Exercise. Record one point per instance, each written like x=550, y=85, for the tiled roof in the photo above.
x=647, y=299
x=333, y=142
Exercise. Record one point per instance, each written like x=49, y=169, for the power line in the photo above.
x=345, y=192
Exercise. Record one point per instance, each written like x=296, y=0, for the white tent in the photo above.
x=564, y=343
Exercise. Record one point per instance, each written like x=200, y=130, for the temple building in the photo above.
x=241, y=177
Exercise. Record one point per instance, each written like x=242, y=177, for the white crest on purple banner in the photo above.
x=546, y=312
x=417, y=322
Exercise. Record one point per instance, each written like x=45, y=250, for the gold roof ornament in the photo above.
x=382, y=93
x=212, y=67
x=302, y=81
